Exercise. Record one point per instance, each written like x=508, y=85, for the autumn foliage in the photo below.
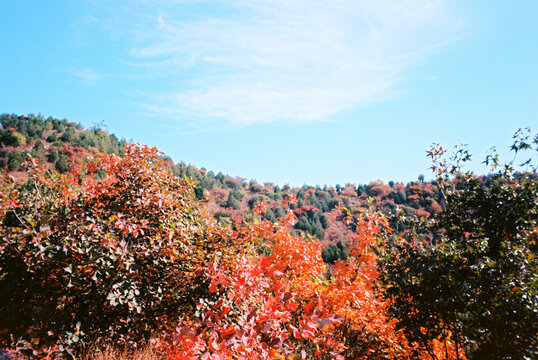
x=131, y=256
x=282, y=303
x=84, y=260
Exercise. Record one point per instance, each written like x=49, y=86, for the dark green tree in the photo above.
x=15, y=159
x=14, y=138
x=473, y=278
x=62, y=164
x=69, y=135
x=52, y=137
x=54, y=155
x=333, y=253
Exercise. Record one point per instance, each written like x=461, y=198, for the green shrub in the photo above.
x=14, y=138
x=15, y=159
x=69, y=135
x=54, y=155
x=52, y=137
x=62, y=164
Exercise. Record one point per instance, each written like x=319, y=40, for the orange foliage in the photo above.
x=377, y=188
x=219, y=196
x=349, y=190
x=262, y=293
x=436, y=208
x=282, y=305
x=422, y=213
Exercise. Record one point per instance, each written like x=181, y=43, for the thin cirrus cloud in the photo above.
x=86, y=76
x=278, y=61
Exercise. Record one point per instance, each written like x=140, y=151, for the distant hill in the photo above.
x=64, y=145
x=59, y=143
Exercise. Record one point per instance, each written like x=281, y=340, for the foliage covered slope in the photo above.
x=132, y=256
x=116, y=250
x=64, y=145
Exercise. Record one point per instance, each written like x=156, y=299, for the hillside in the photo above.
x=63, y=145
x=58, y=143
x=102, y=250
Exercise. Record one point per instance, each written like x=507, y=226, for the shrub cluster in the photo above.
x=117, y=259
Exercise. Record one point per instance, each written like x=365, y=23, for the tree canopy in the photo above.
x=473, y=277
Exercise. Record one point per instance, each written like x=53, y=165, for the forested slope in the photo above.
x=64, y=145
x=114, y=250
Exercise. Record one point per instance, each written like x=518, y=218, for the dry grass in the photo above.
x=111, y=353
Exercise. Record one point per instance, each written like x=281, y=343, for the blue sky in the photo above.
x=315, y=92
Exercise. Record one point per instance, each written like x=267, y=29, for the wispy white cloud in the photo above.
x=86, y=76
x=284, y=60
